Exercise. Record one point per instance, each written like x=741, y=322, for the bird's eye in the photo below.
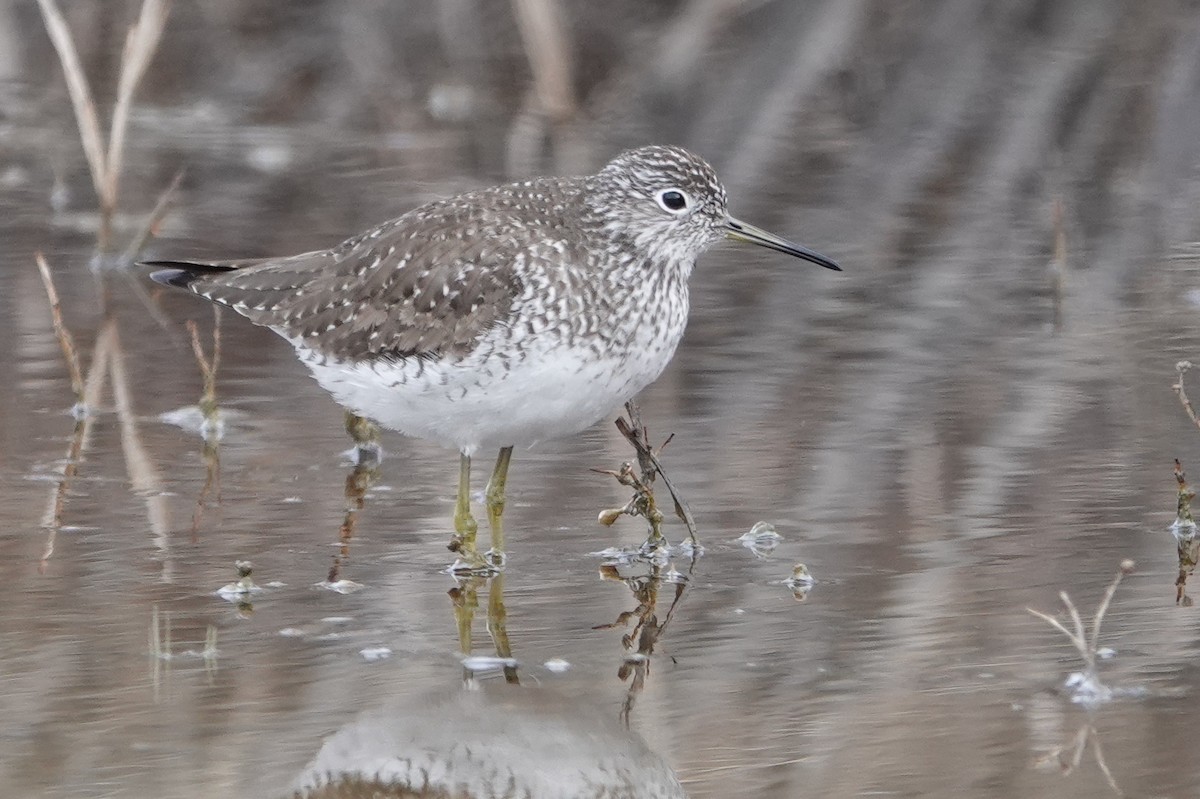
x=673, y=200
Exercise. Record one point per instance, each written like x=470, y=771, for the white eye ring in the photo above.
x=674, y=201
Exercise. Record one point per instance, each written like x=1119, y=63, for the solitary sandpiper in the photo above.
x=500, y=317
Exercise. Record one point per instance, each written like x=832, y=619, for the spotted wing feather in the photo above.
x=427, y=284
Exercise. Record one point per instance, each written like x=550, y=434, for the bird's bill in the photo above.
x=740, y=231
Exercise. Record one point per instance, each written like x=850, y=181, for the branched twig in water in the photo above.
x=643, y=502
x=1086, y=648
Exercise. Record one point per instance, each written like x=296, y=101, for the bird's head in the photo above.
x=669, y=203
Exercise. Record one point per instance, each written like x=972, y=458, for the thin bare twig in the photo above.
x=637, y=435
x=155, y=218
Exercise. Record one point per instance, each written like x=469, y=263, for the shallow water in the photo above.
x=920, y=431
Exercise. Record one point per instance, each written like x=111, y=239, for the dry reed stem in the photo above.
x=65, y=339
x=1087, y=649
x=150, y=227
x=548, y=48
x=80, y=91
x=140, y=44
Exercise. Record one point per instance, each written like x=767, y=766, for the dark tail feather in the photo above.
x=180, y=274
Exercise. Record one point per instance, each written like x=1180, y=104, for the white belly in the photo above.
x=487, y=401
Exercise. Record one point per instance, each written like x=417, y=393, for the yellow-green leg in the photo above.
x=465, y=526
x=495, y=504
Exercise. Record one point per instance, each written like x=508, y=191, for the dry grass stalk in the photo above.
x=547, y=45
x=140, y=44
x=81, y=93
x=155, y=218
x=1078, y=637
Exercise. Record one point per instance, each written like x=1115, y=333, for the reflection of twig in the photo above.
x=87, y=395
x=647, y=629
x=93, y=387
x=1187, y=544
x=210, y=427
x=143, y=474
x=65, y=339
x=361, y=477
x=1070, y=755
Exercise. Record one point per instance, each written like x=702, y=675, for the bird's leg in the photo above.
x=495, y=504
x=465, y=525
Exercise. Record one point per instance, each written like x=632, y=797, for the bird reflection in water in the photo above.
x=495, y=741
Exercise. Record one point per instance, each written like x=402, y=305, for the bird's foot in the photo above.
x=470, y=562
